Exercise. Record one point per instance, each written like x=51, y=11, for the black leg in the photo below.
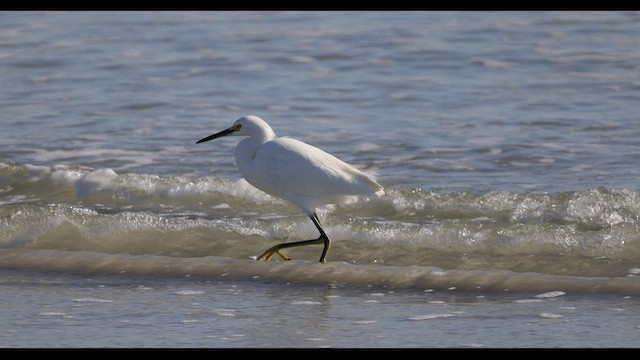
x=323, y=236
x=323, y=239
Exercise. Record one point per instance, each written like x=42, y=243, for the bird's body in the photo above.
x=300, y=173
x=295, y=171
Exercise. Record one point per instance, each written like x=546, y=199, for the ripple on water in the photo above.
x=227, y=313
x=189, y=292
x=430, y=316
x=92, y=300
x=550, y=294
x=547, y=315
x=526, y=301
x=305, y=302
x=52, y=313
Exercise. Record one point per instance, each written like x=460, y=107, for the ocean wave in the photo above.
x=592, y=232
x=425, y=278
x=70, y=184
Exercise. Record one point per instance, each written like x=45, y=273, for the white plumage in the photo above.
x=295, y=171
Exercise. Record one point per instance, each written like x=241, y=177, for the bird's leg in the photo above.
x=323, y=236
x=323, y=239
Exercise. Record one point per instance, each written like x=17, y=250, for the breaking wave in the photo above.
x=53, y=213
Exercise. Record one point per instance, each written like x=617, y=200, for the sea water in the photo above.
x=507, y=143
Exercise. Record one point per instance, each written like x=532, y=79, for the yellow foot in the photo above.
x=269, y=254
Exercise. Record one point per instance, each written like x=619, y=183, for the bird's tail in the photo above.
x=369, y=178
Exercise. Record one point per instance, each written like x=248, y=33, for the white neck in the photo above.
x=246, y=152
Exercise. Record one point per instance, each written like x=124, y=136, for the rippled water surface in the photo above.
x=507, y=143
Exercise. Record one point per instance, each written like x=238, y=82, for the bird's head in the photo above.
x=250, y=125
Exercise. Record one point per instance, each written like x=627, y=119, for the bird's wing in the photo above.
x=293, y=168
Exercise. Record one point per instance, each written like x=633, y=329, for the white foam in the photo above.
x=189, y=292
x=526, y=301
x=36, y=168
x=547, y=315
x=68, y=177
x=187, y=187
x=221, y=206
x=305, y=302
x=430, y=316
x=550, y=294
x=95, y=300
x=52, y=313
x=86, y=183
x=226, y=314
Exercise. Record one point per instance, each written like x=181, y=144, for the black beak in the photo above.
x=217, y=135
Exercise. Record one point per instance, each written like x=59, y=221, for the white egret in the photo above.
x=292, y=170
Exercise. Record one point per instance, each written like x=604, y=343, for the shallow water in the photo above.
x=506, y=143
x=50, y=310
